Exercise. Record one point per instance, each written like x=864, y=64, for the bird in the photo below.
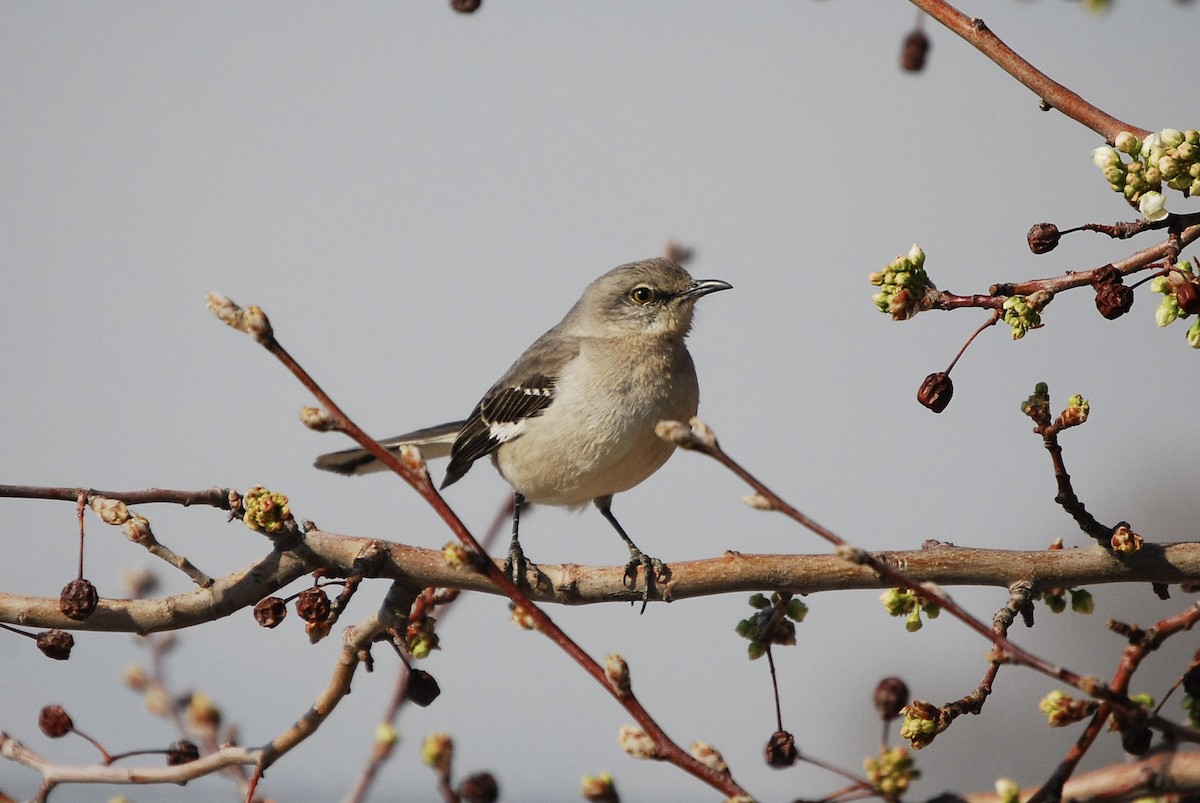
x=572, y=421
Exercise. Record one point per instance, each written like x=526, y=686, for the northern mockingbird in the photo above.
x=572, y=420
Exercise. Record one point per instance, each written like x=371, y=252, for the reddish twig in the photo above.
x=1052, y=94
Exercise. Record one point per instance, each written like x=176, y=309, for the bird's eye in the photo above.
x=641, y=294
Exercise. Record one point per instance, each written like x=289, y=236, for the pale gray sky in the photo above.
x=414, y=195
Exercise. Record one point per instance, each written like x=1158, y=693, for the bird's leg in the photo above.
x=654, y=568
x=515, y=564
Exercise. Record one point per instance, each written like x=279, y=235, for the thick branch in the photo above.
x=574, y=584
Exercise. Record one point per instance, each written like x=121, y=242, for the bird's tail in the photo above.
x=432, y=441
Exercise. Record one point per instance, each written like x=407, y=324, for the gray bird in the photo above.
x=572, y=420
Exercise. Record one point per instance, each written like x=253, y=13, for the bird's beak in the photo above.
x=702, y=287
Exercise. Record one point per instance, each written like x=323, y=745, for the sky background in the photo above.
x=414, y=195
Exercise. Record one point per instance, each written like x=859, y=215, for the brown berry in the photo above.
x=1191, y=683
x=479, y=788
x=270, y=611
x=78, y=599
x=891, y=695
x=781, y=750
x=312, y=605
x=55, y=722
x=916, y=48
x=1188, y=297
x=182, y=752
x=1136, y=741
x=1113, y=297
x=422, y=688
x=936, y=391
x=55, y=644
x=1043, y=238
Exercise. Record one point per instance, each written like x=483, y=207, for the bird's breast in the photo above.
x=597, y=437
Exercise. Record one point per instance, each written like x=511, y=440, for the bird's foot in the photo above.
x=654, y=569
x=516, y=566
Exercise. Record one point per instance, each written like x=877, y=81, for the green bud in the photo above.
x=1167, y=312
x=1055, y=602
x=745, y=628
x=1169, y=167
x=913, y=623
x=797, y=610
x=756, y=650
x=1081, y=601
x=759, y=601
x=1193, y=334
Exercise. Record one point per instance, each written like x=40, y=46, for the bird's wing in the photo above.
x=432, y=441
x=497, y=418
x=522, y=393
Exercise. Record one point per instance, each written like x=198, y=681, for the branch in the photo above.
x=575, y=584
x=1053, y=94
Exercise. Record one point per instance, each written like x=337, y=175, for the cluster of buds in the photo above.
x=1023, y=313
x=904, y=287
x=599, y=788
x=420, y=637
x=922, y=722
x=1061, y=709
x=891, y=771
x=764, y=628
x=1168, y=157
x=907, y=603
x=1075, y=414
x=266, y=512
x=1181, y=298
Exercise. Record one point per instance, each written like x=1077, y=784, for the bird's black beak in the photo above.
x=702, y=287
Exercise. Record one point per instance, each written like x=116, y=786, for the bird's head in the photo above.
x=654, y=297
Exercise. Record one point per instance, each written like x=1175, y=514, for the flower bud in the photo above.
x=617, y=672
x=636, y=743
x=1127, y=143
x=1104, y=157
x=1152, y=205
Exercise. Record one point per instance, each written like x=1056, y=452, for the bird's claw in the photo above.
x=516, y=566
x=654, y=569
